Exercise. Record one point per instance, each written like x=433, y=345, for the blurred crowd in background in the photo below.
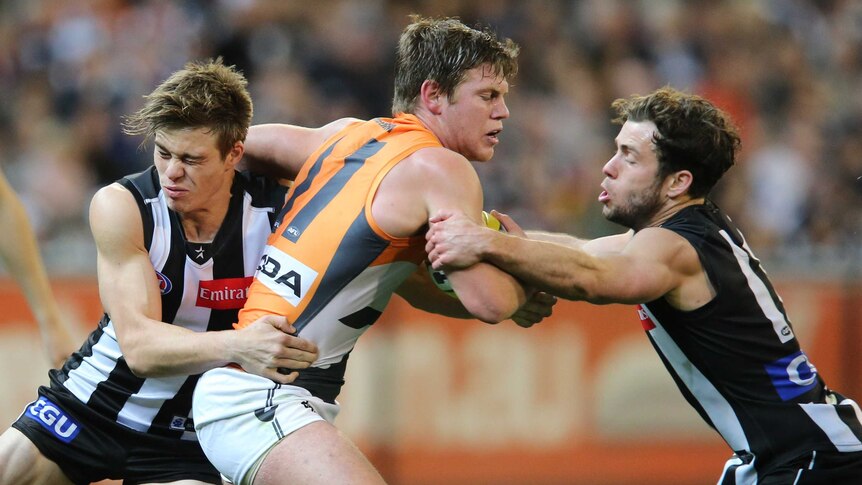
x=789, y=72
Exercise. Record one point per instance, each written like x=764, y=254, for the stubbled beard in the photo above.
x=637, y=210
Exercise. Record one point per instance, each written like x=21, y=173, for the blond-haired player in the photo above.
x=350, y=236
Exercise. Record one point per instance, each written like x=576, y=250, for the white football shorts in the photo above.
x=239, y=417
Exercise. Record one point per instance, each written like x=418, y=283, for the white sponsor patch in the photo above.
x=285, y=275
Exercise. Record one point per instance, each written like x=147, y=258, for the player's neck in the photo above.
x=202, y=225
x=671, y=208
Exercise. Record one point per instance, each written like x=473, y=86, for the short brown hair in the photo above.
x=693, y=134
x=202, y=94
x=443, y=50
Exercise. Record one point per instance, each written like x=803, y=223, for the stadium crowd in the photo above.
x=789, y=71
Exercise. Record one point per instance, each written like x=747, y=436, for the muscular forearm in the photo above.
x=420, y=292
x=547, y=266
x=265, y=347
x=489, y=294
x=559, y=238
x=441, y=304
x=166, y=350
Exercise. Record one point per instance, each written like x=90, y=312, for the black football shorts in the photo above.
x=90, y=448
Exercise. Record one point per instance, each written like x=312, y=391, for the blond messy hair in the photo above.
x=204, y=94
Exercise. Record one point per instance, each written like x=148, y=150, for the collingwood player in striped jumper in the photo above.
x=703, y=298
x=177, y=248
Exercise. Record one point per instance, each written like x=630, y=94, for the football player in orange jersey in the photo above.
x=351, y=235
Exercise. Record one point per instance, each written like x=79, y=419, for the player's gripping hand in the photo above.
x=454, y=241
x=268, y=348
x=509, y=224
x=539, y=306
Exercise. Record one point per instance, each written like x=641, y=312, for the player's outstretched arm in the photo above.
x=606, y=244
x=280, y=150
x=20, y=253
x=648, y=265
x=130, y=295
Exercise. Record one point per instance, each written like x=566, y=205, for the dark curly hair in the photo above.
x=692, y=135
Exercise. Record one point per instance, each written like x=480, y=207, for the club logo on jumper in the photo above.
x=646, y=321
x=793, y=375
x=223, y=294
x=165, y=285
x=285, y=275
x=52, y=418
x=182, y=423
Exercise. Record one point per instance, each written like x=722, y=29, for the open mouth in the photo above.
x=494, y=135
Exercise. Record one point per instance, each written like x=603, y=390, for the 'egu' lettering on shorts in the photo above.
x=52, y=418
x=793, y=375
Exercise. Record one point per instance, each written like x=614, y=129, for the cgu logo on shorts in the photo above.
x=52, y=418
x=285, y=275
x=224, y=293
x=792, y=375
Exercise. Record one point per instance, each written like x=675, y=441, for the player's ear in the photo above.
x=431, y=96
x=235, y=154
x=679, y=183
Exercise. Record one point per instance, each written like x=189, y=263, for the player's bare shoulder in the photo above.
x=438, y=170
x=402, y=201
x=665, y=249
x=114, y=215
x=664, y=245
x=109, y=199
x=439, y=162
